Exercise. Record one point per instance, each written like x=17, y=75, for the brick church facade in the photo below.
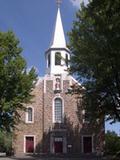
x=55, y=121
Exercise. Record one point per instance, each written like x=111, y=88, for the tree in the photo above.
x=112, y=143
x=95, y=47
x=16, y=83
x=6, y=142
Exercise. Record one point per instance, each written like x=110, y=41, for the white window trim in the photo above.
x=57, y=57
x=26, y=115
x=53, y=108
x=24, y=145
x=92, y=136
x=84, y=120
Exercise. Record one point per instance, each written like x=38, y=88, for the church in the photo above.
x=55, y=122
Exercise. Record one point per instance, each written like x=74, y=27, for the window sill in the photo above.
x=29, y=122
x=57, y=91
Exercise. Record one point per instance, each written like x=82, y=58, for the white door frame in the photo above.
x=24, y=145
x=82, y=142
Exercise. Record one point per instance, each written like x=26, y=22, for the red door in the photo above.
x=29, y=144
x=87, y=144
x=58, y=147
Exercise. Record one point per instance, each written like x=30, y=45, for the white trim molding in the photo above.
x=92, y=137
x=84, y=113
x=26, y=115
x=53, y=109
x=24, y=145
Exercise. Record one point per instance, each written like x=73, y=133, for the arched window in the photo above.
x=58, y=110
x=57, y=58
x=49, y=60
x=29, y=115
x=66, y=59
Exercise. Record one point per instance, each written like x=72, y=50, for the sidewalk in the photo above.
x=47, y=158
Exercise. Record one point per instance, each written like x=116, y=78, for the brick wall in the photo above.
x=43, y=126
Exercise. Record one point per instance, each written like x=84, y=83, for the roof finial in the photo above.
x=59, y=3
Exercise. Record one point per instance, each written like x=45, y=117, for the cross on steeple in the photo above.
x=59, y=3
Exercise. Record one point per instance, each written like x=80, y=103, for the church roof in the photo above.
x=58, y=39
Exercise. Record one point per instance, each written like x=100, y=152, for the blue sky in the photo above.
x=33, y=21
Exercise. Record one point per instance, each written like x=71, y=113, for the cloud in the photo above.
x=77, y=3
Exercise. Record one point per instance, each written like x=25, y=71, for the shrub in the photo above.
x=112, y=143
x=6, y=143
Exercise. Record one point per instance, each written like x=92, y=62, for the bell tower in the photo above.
x=57, y=55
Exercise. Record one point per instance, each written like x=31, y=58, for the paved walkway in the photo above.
x=47, y=158
x=7, y=158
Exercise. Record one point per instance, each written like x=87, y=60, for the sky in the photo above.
x=33, y=21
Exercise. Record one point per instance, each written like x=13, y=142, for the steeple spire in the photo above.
x=58, y=39
x=58, y=55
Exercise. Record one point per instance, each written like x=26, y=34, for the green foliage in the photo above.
x=112, y=143
x=95, y=47
x=1, y=142
x=16, y=83
x=5, y=142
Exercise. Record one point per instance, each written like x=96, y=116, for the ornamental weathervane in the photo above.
x=59, y=3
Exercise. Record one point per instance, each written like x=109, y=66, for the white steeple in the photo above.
x=58, y=55
x=58, y=39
